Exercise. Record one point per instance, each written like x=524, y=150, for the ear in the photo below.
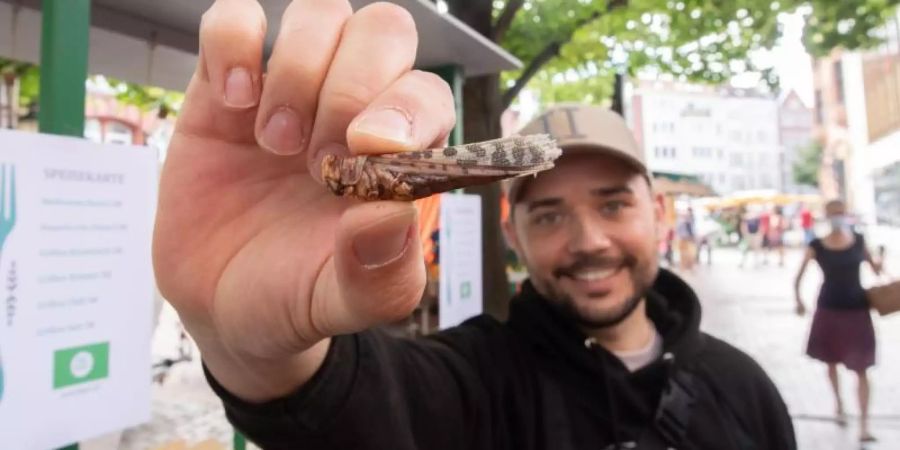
x=659, y=212
x=512, y=237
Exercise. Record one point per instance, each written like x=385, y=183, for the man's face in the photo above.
x=587, y=230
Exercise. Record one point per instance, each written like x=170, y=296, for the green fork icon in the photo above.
x=7, y=222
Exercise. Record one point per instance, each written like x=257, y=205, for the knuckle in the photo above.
x=286, y=68
x=225, y=18
x=339, y=8
x=351, y=97
x=431, y=81
x=387, y=16
x=435, y=89
x=398, y=299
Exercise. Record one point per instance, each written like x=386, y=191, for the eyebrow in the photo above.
x=599, y=192
x=553, y=201
x=614, y=190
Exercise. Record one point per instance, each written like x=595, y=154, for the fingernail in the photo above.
x=282, y=134
x=239, y=89
x=384, y=242
x=389, y=123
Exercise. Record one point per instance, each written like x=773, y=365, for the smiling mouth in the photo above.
x=594, y=274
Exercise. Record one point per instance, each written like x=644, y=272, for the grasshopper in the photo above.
x=412, y=175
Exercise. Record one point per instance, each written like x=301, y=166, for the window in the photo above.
x=820, y=113
x=664, y=152
x=839, y=80
x=118, y=133
x=92, y=130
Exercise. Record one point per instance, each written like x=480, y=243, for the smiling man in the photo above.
x=598, y=307
x=282, y=284
x=602, y=349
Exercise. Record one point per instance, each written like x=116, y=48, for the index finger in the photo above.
x=224, y=91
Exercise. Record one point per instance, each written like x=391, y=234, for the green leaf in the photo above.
x=706, y=41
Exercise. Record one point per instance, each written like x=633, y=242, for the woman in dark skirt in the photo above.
x=842, y=331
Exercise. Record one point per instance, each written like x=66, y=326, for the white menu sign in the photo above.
x=76, y=288
x=460, y=259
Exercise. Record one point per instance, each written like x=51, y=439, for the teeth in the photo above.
x=594, y=275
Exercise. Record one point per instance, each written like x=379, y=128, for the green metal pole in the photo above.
x=64, y=58
x=453, y=75
x=240, y=442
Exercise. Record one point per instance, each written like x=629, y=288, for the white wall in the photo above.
x=735, y=148
x=111, y=54
x=866, y=157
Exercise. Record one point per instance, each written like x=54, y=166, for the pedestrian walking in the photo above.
x=842, y=330
x=751, y=242
x=686, y=234
x=776, y=230
x=807, y=223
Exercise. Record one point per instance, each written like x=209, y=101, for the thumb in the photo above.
x=377, y=274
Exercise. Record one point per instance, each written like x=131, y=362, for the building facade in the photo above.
x=795, y=124
x=857, y=115
x=729, y=138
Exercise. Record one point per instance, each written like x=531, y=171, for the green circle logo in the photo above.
x=82, y=364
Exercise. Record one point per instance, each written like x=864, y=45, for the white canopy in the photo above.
x=154, y=42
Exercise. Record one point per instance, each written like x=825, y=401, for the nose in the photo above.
x=587, y=234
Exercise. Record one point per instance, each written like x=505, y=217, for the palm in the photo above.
x=262, y=263
x=248, y=230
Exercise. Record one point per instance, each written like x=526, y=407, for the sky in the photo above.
x=791, y=61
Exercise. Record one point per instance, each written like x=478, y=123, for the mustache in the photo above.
x=592, y=261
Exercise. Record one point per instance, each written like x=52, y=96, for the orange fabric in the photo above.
x=504, y=208
x=429, y=221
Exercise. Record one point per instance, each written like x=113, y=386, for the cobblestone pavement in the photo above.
x=751, y=308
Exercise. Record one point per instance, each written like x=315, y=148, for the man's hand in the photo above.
x=261, y=262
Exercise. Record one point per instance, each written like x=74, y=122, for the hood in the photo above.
x=671, y=304
x=630, y=399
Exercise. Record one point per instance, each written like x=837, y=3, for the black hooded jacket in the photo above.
x=532, y=383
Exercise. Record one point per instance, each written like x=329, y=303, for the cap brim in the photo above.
x=514, y=185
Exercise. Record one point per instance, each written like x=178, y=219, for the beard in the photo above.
x=640, y=280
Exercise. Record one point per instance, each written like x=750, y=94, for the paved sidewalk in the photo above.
x=753, y=309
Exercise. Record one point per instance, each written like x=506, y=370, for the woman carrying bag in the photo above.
x=842, y=330
x=884, y=298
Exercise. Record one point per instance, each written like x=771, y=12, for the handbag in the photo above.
x=884, y=298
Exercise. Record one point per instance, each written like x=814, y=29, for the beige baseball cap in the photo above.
x=582, y=128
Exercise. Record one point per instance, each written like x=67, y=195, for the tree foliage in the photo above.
x=572, y=48
x=29, y=77
x=147, y=98
x=806, y=167
x=846, y=24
